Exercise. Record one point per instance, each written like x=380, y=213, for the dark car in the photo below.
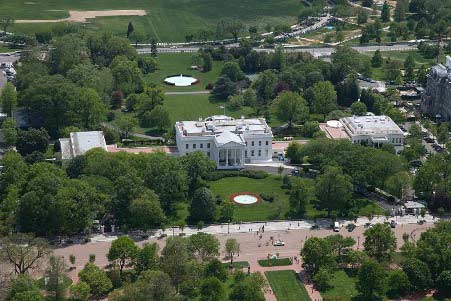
x=351, y=227
x=393, y=224
x=429, y=140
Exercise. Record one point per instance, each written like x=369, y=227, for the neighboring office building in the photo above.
x=436, y=100
x=81, y=142
x=373, y=131
x=228, y=141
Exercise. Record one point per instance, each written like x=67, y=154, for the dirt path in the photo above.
x=83, y=16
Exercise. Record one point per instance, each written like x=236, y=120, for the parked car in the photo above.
x=393, y=224
x=279, y=243
x=429, y=140
x=351, y=227
x=336, y=227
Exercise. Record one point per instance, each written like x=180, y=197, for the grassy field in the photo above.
x=261, y=211
x=342, y=287
x=167, y=20
x=274, y=262
x=287, y=286
x=178, y=63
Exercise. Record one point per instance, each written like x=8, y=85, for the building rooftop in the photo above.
x=81, y=142
x=218, y=125
x=370, y=125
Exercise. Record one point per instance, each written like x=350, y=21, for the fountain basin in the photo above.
x=245, y=198
x=181, y=80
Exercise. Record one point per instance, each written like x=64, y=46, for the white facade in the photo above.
x=373, y=130
x=228, y=141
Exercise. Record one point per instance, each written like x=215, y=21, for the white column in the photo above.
x=227, y=157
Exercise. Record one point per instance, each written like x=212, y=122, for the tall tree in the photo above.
x=317, y=254
x=409, y=66
x=8, y=99
x=371, y=281
x=324, y=98
x=124, y=250
x=212, y=290
x=376, y=60
x=96, y=278
x=385, y=14
x=232, y=247
x=291, y=107
x=130, y=29
x=333, y=189
x=204, y=246
x=58, y=281
x=203, y=206
x=380, y=242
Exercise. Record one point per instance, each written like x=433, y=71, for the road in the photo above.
x=317, y=51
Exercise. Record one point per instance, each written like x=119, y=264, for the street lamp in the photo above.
x=222, y=107
x=358, y=242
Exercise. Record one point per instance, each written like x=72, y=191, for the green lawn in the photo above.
x=167, y=20
x=178, y=63
x=261, y=211
x=287, y=286
x=274, y=262
x=236, y=264
x=342, y=288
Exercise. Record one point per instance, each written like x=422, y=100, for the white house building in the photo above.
x=80, y=142
x=228, y=141
x=373, y=130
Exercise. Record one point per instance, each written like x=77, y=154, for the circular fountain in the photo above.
x=245, y=198
x=181, y=80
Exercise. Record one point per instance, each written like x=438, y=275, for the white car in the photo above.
x=278, y=243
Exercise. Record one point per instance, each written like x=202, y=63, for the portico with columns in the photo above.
x=230, y=156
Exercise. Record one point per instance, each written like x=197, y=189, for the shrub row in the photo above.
x=253, y=174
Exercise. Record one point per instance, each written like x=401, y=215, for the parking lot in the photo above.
x=6, y=58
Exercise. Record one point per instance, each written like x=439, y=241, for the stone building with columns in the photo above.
x=229, y=142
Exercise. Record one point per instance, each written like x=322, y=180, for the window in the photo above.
x=252, y=153
x=194, y=145
x=267, y=142
x=187, y=146
x=252, y=143
x=201, y=145
x=259, y=152
x=259, y=143
x=245, y=153
x=208, y=145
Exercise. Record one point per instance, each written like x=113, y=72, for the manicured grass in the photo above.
x=261, y=211
x=342, y=288
x=4, y=49
x=167, y=20
x=287, y=286
x=366, y=207
x=274, y=262
x=179, y=63
x=237, y=264
x=191, y=107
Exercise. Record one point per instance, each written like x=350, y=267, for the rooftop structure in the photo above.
x=81, y=142
x=373, y=130
x=228, y=141
x=333, y=130
x=436, y=100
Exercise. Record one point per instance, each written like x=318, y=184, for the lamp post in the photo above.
x=222, y=107
x=358, y=242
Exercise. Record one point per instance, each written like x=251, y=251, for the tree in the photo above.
x=174, y=259
x=197, y=165
x=98, y=281
x=203, y=206
x=322, y=279
x=444, y=283
x=409, y=66
x=234, y=27
x=153, y=48
x=317, y=254
x=233, y=71
x=123, y=250
x=400, y=10
x=57, y=283
x=443, y=133
x=6, y=22
x=8, y=98
x=104, y=47
x=127, y=76
x=398, y=183
x=392, y=70
x=398, y=284
x=212, y=290
x=90, y=76
x=151, y=286
x=371, y=280
x=248, y=289
x=24, y=288
x=159, y=118
x=422, y=75
x=376, y=60
x=92, y=110
x=324, y=98
x=148, y=258
x=224, y=88
x=24, y=252
x=207, y=61
x=333, y=189
x=215, y=268
x=204, y=246
x=385, y=14
x=9, y=131
x=362, y=17
x=137, y=36
x=130, y=29
x=147, y=64
x=67, y=52
x=291, y=107
x=358, y=108
x=250, y=97
x=79, y=291
x=232, y=247
x=380, y=242
x=227, y=211
x=145, y=212
x=264, y=86
x=126, y=124
x=300, y=195
x=418, y=273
